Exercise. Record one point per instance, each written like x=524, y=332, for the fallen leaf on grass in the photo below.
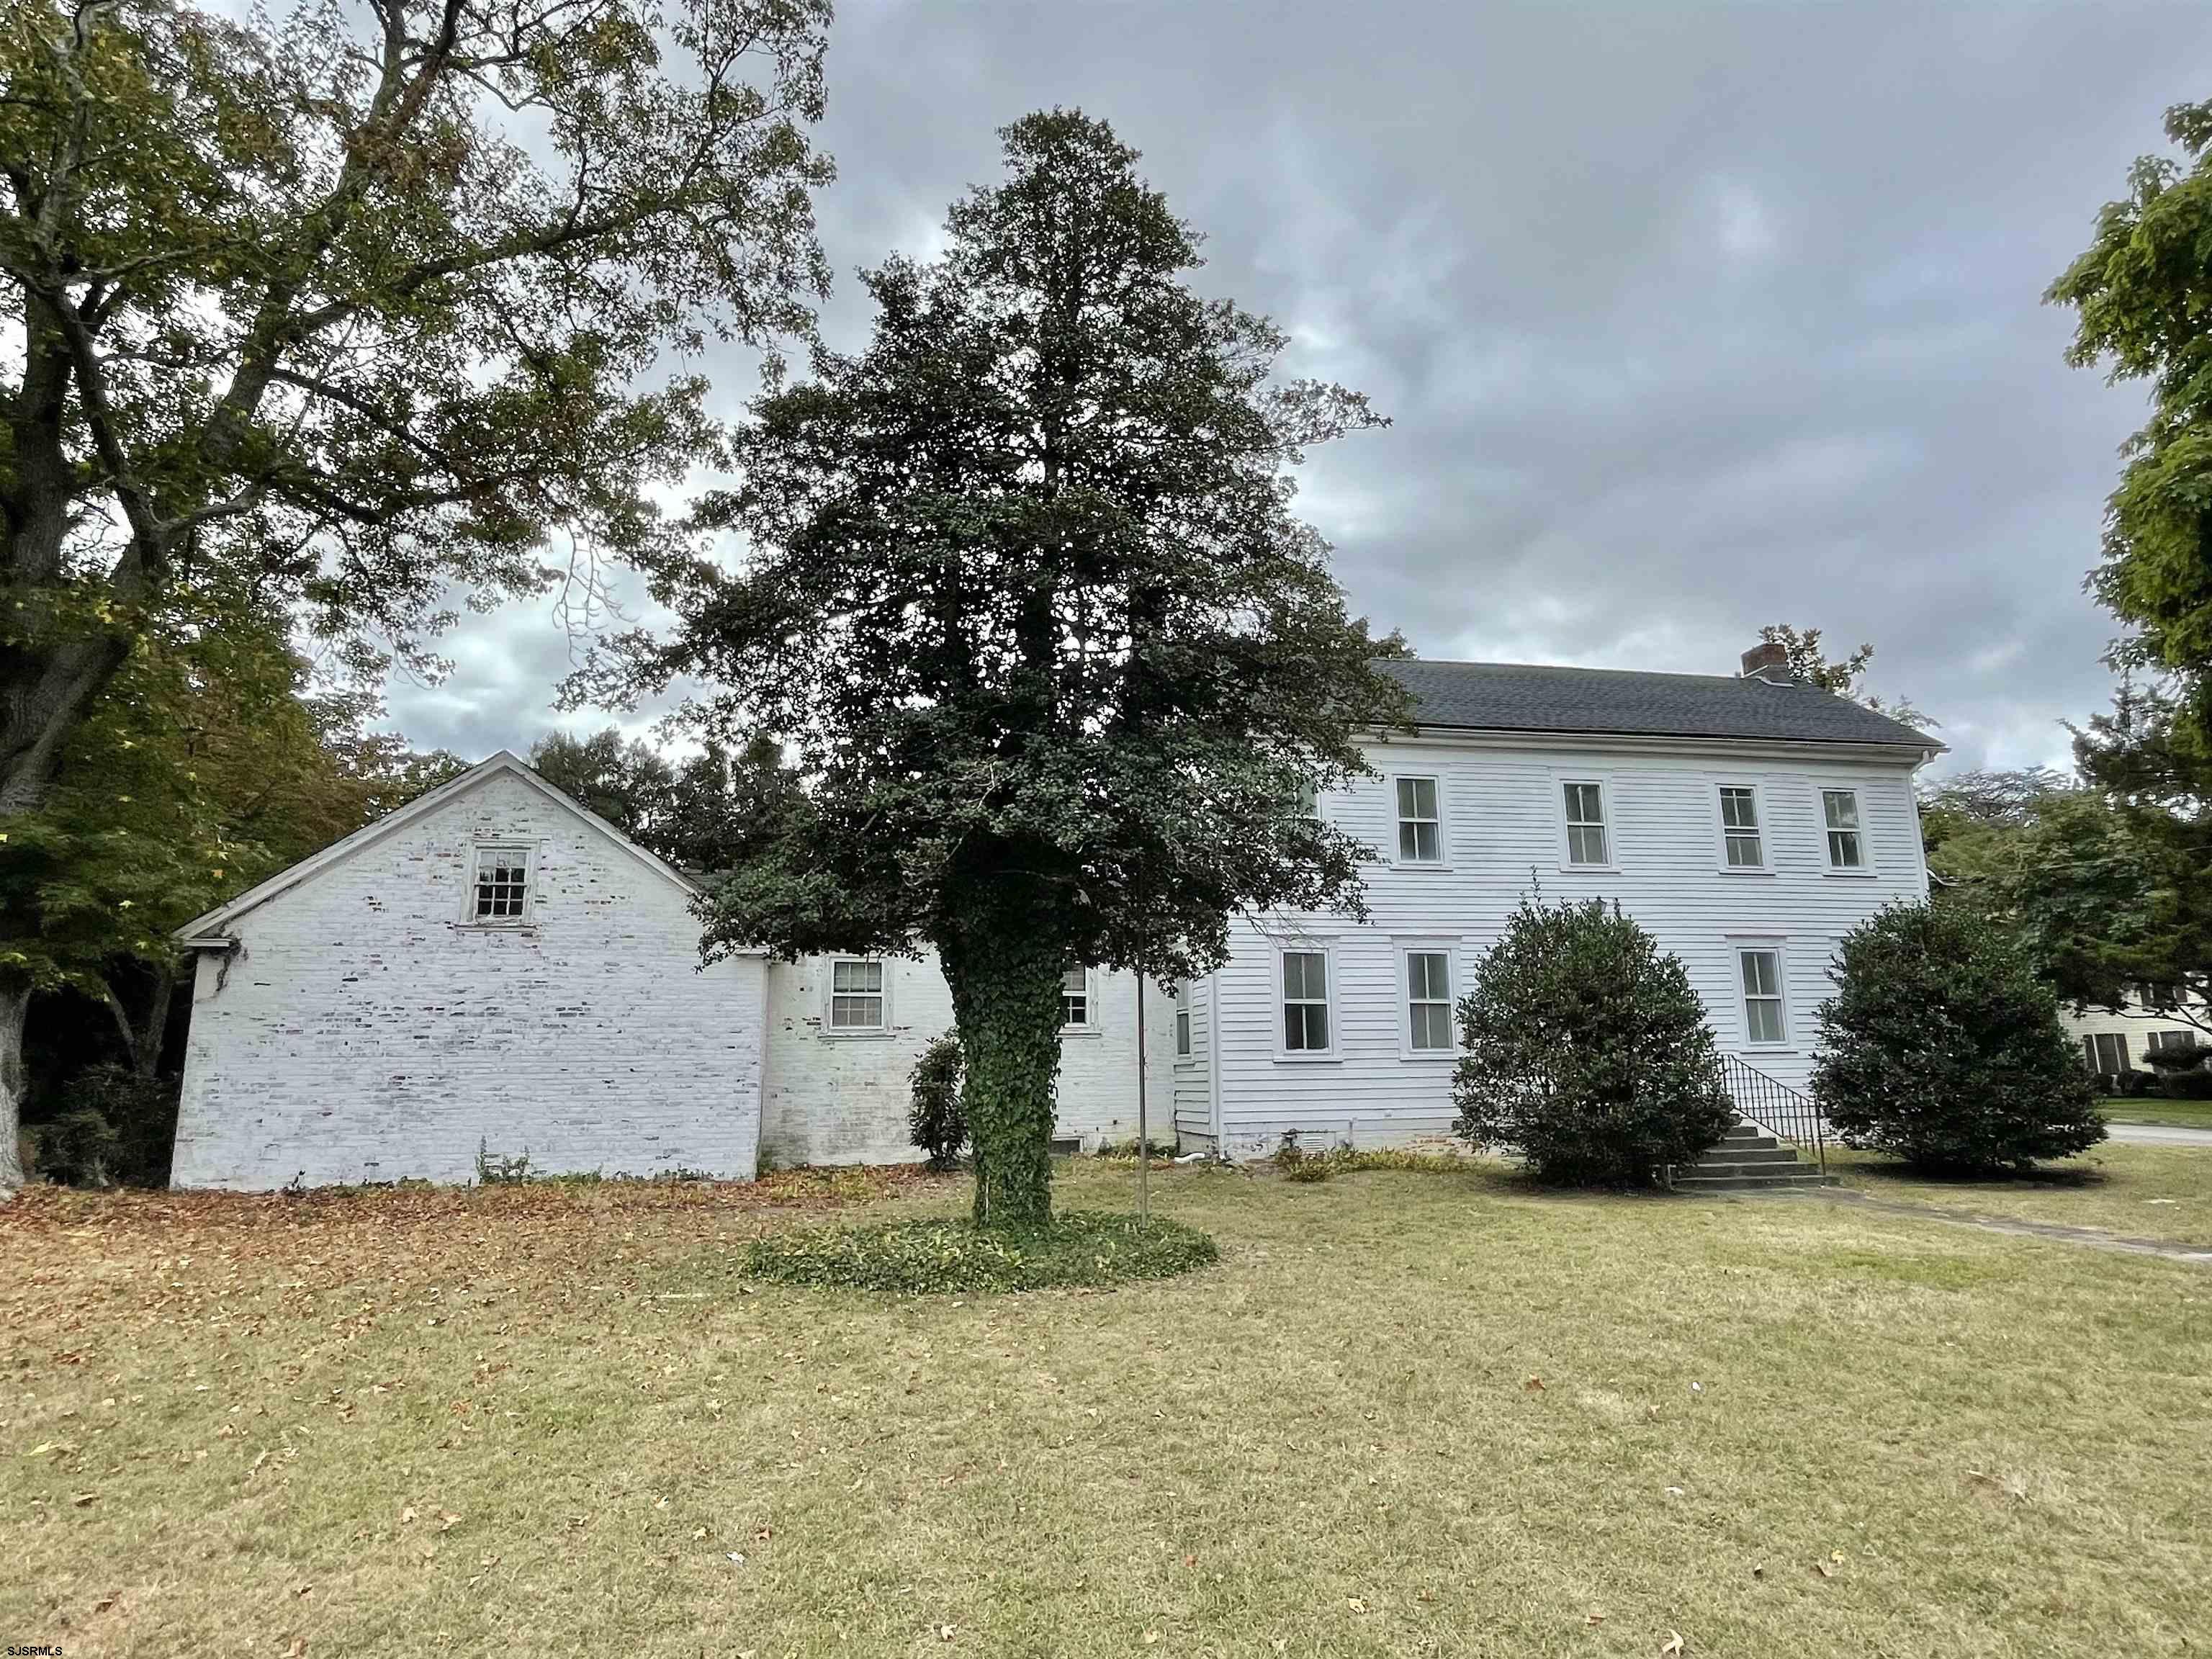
x=944, y=1632
x=303, y=1589
x=737, y=1557
x=298, y=1647
x=1672, y=1645
x=1355, y=1603
x=406, y=1515
x=1534, y=1385
x=1824, y=1569
x=81, y=1498
x=1593, y=1620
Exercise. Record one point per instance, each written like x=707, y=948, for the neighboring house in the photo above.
x=494, y=968
x=1749, y=822
x=2115, y=1040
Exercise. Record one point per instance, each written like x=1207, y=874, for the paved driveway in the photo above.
x=2158, y=1135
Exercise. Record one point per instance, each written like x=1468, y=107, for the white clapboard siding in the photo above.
x=1193, y=1073
x=1503, y=834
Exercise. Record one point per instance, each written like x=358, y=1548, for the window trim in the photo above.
x=1864, y=869
x=1762, y=826
x=528, y=853
x=1608, y=821
x=1326, y=950
x=1741, y=944
x=1404, y=949
x=1088, y=1025
x=847, y=1033
x=1443, y=861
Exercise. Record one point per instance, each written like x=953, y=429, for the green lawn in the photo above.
x=1407, y=1414
x=2186, y=1114
x=2136, y=1192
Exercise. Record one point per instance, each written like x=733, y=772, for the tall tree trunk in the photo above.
x=1005, y=984
x=15, y=1005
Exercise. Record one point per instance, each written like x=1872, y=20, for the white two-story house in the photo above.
x=1748, y=822
x=492, y=971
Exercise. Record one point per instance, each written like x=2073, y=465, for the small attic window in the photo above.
x=500, y=896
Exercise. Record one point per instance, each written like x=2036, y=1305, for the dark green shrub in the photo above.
x=116, y=1128
x=2186, y=1085
x=2186, y=1055
x=1941, y=1046
x=943, y=1255
x=937, y=1122
x=1588, y=1051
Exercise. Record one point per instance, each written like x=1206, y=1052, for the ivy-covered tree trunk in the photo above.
x=15, y=1005
x=1005, y=987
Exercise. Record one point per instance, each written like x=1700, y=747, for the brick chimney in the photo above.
x=1768, y=661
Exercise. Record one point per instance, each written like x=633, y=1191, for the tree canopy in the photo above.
x=351, y=308
x=1027, y=608
x=2141, y=292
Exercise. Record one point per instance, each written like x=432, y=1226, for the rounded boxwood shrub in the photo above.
x=944, y=1255
x=1941, y=1046
x=1588, y=1051
x=936, y=1121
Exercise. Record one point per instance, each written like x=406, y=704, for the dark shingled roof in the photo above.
x=1504, y=696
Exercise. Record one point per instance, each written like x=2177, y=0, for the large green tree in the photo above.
x=352, y=308
x=2142, y=296
x=1028, y=608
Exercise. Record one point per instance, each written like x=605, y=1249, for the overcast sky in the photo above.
x=1690, y=318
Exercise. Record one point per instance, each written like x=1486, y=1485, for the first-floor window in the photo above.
x=1305, y=1001
x=2108, y=1053
x=502, y=884
x=1075, y=997
x=856, y=995
x=1182, y=1030
x=1761, y=967
x=1428, y=1000
x=2158, y=1042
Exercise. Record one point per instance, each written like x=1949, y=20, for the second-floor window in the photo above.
x=1586, y=831
x=1739, y=828
x=502, y=889
x=1840, y=809
x=1420, y=829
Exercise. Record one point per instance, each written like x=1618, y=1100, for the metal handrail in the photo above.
x=1769, y=1103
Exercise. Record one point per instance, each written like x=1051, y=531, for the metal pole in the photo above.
x=1143, y=1132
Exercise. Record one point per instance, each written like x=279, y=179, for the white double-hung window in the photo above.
x=1588, y=841
x=856, y=994
x=1839, y=810
x=1765, y=1021
x=1305, y=1002
x=1428, y=1002
x=1075, y=998
x=1420, y=824
x=499, y=890
x=1741, y=846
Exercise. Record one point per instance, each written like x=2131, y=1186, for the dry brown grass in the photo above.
x=2135, y=1192
x=1408, y=1414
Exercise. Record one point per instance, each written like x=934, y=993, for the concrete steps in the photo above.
x=1749, y=1160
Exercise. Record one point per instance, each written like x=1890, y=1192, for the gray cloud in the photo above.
x=1690, y=318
